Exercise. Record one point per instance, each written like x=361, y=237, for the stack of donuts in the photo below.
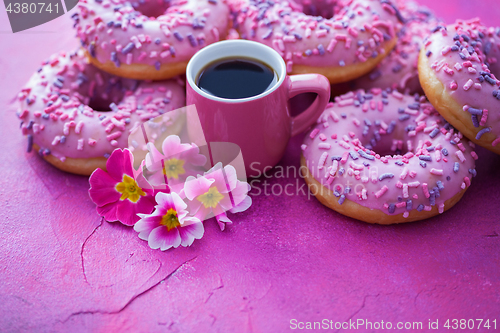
x=389, y=147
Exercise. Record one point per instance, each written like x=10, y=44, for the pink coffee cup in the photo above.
x=260, y=125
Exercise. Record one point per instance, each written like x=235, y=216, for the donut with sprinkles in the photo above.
x=385, y=157
x=458, y=69
x=148, y=39
x=399, y=69
x=59, y=111
x=358, y=36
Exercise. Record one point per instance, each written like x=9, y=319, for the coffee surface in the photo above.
x=236, y=78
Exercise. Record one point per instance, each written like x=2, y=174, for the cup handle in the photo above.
x=304, y=83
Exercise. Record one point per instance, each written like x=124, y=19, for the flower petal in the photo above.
x=119, y=163
x=225, y=203
x=194, y=206
x=193, y=156
x=140, y=170
x=126, y=211
x=217, y=176
x=163, y=199
x=220, y=209
x=143, y=183
x=102, y=188
x=231, y=178
x=145, y=205
x=147, y=223
x=222, y=219
x=153, y=158
x=242, y=206
x=163, y=239
x=172, y=146
x=189, y=220
x=157, y=178
x=108, y=212
x=196, y=186
x=179, y=204
x=204, y=213
x=191, y=232
x=240, y=192
x=216, y=167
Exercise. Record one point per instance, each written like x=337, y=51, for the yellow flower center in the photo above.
x=170, y=220
x=129, y=189
x=210, y=198
x=173, y=168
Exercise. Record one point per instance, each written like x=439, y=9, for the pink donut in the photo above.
x=399, y=70
x=459, y=69
x=148, y=39
x=58, y=111
x=348, y=45
x=384, y=157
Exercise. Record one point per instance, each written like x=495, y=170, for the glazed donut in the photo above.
x=458, y=71
x=384, y=157
x=342, y=48
x=399, y=69
x=58, y=111
x=126, y=39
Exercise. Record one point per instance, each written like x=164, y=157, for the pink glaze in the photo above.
x=357, y=31
x=55, y=112
x=127, y=36
x=392, y=152
x=465, y=58
x=399, y=69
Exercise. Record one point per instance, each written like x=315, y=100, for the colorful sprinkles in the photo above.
x=467, y=66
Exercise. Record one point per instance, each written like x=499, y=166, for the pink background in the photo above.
x=287, y=257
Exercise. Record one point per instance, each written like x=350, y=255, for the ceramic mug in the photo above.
x=260, y=125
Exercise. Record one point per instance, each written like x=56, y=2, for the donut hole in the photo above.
x=151, y=8
x=101, y=102
x=315, y=10
x=323, y=8
x=495, y=69
x=113, y=91
x=386, y=146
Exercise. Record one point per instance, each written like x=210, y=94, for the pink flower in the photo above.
x=178, y=161
x=169, y=225
x=121, y=192
x=217, y=192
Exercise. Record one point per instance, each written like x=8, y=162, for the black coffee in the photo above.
x=236, y=78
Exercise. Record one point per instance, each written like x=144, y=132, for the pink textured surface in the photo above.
x=287, y=257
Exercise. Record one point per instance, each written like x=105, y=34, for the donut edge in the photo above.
x=343, y=74
x=361, y=213
x=78, y=166
x=85, y=166
x=448, y=107
x=140, y=71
